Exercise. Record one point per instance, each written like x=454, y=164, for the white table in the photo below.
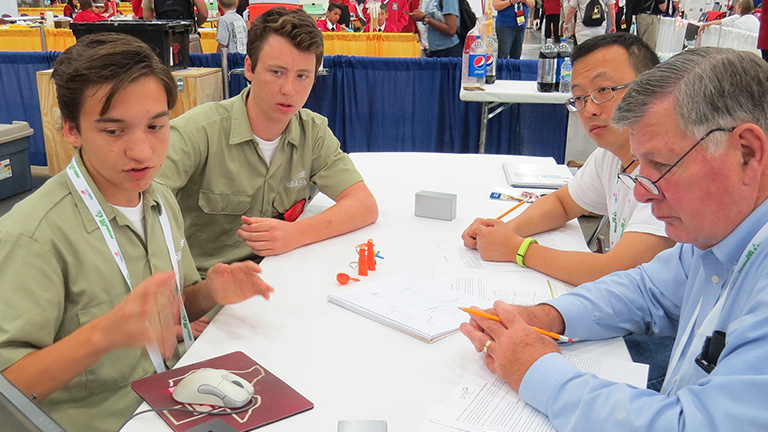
x=349, y=366
x=504, y=93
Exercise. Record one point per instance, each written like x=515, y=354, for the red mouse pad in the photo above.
x=273, y=399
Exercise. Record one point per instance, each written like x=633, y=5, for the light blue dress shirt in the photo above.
x=655, y=297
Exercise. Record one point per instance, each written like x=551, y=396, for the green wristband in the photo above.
x=523, y=249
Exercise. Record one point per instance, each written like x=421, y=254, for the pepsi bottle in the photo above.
x=473, y=60
x=546, y=79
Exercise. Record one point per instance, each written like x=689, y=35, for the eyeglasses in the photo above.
x=599, y=96
x=651, y=185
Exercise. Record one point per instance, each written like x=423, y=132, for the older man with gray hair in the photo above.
x=698, y=127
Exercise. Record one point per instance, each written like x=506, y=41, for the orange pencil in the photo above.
x=553, y=335
x=511, y=210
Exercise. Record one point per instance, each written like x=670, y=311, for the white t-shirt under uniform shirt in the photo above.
x=596, y=188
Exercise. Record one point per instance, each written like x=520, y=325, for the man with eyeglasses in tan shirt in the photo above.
x=603, y=68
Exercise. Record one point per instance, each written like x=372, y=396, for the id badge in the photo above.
x=623, y=24
x=520, y=17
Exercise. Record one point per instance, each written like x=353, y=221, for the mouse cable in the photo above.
x=158, y=410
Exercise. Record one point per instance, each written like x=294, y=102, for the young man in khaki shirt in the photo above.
x=87, y=262
x=242, y=169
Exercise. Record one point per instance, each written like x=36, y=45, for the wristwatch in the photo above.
x=520, y=258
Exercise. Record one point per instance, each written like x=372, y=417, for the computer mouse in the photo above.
x=216, y=387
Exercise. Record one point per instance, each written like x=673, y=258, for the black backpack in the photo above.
x=594, y=14
x=467, y=19
x=174, y=9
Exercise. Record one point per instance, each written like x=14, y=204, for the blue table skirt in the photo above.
x=372, y=104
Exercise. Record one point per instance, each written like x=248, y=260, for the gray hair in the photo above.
x=710, y=88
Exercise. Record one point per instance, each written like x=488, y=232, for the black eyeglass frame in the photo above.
x=570, y=104
x=651, y=186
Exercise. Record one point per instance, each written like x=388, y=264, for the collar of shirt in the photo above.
x=729, y=250
x=150, y=199
x=241, y=127
x=331, y=27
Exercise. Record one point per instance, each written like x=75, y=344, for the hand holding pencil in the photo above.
x=510, y=345
x=553, y=335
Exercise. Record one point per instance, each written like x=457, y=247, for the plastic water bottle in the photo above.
x=473, y=59
x=566, y=70
x=492, y=55
x=546, y=79
x=563, y=51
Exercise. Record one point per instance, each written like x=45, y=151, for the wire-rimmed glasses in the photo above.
x=651, y=185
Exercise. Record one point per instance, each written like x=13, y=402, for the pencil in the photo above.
x=553, y=335
x=511, y=210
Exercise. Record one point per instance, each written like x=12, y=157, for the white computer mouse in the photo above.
x=217, y=387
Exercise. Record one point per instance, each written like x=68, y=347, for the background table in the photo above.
x=349, y=366
x=504, y=93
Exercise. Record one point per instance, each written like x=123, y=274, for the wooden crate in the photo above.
x=198, y=86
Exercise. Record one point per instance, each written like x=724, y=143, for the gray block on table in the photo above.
x=436, y=205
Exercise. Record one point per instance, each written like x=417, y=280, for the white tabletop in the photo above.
x=349, y=366
x=511, y=91
x=23, y=18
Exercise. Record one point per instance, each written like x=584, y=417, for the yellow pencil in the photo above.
x=553, y=335
x=511, y=210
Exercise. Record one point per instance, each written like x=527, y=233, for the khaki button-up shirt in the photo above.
x=219, y=173
x=57, y=274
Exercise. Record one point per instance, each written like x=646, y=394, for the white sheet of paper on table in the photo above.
x=483, y=402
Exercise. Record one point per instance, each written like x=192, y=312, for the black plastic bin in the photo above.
x=168, y=39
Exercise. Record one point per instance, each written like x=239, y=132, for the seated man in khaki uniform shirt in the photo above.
x=242, y=169
x=87, y=262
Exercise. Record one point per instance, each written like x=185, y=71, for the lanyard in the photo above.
x=73, y=171
x=619, y=225
x=709, y=323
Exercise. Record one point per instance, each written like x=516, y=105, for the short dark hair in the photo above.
x=332, y=6
x=86, y=4
x=105, y=58
x=641, y=56
x=295, y=25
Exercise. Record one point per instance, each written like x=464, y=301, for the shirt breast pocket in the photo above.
x=222, y=217
x=285, y=202
x=118, y=367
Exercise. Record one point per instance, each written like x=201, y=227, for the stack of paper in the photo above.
x=409, y=304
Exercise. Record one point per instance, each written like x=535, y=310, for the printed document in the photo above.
x=483, y=402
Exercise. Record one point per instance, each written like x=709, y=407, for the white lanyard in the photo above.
x=619, y=221
x=708, y=325
x=73, y=171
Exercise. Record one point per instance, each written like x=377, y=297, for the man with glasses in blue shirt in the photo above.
x=701, y=141
x=603, y=68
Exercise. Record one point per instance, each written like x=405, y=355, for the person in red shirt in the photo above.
x=70, y=9
x=397, y=16
x=88, y=13
x=331, y=21
x=552, y=19
x=381, y=24
x=410, y=26
x=138, y=11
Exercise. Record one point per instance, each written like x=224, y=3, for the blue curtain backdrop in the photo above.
x=20, y=101
x=372, y=104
